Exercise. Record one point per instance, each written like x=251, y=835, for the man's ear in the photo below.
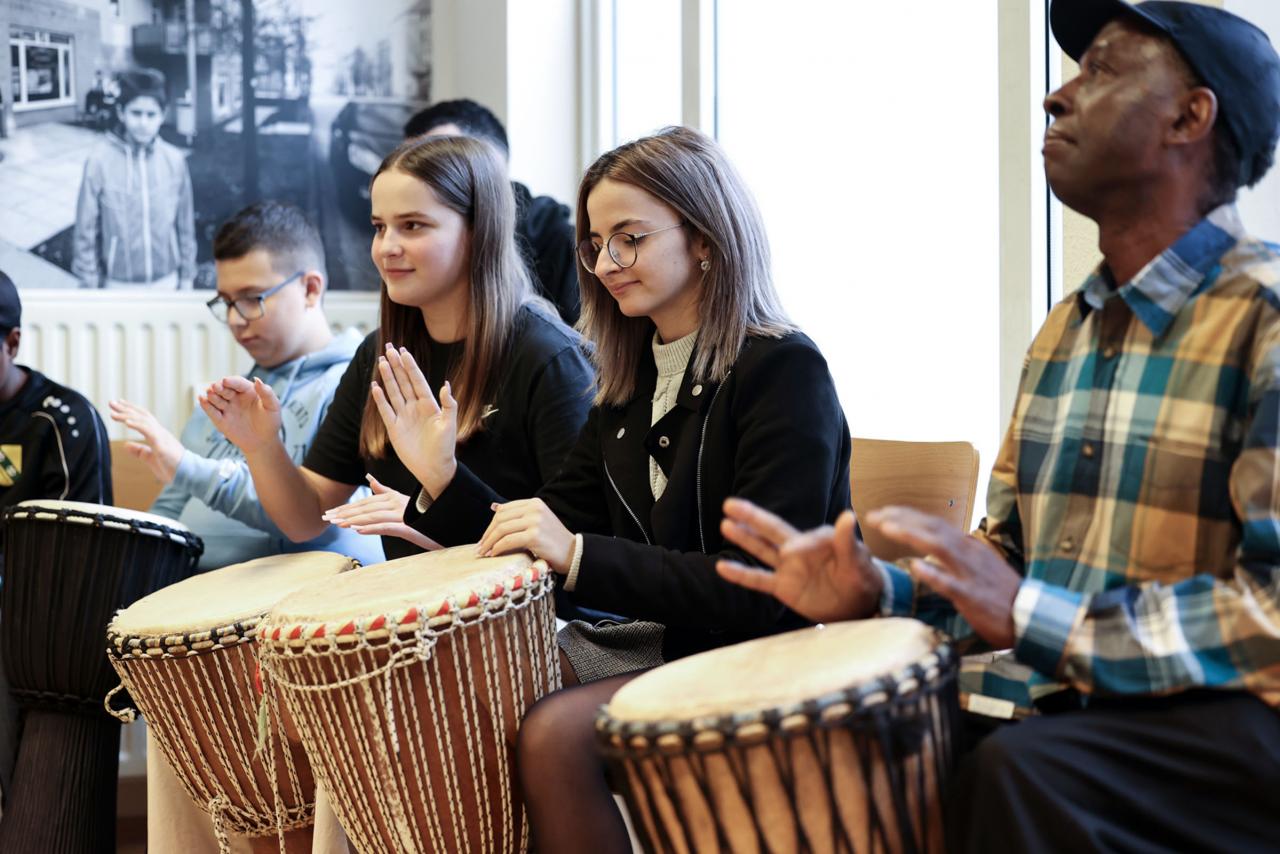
x=12, y=340
x=313, y=284
x=1196, y=118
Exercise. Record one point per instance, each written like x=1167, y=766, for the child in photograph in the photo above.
x=135, y=222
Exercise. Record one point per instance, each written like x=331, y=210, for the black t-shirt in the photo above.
x=53, y=445
x=540, y=405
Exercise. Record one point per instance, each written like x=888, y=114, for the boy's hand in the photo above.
x=160, y=449
x=247, y=413
x=423, y=432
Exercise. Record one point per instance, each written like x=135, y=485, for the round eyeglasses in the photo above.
x=249, y=308
x=622, y=246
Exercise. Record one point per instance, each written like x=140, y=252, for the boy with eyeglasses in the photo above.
x=270, y=268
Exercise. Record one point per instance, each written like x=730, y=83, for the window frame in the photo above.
x=65, y=48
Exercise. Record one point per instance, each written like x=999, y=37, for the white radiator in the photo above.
x=157, y=350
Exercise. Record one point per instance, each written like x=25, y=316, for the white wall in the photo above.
x=877, y=169
x=519, y=59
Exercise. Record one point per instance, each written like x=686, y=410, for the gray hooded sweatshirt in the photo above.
x=135, y=220
x=212, y=492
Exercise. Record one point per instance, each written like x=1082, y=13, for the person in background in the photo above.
x=53, y=445
x=1129, y=561
x=544, y=231
x=135, y=217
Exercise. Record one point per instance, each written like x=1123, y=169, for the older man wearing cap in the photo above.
x=1130, y=556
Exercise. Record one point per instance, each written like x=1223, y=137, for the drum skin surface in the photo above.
x=407, y=681
x=836, y=738
x=186, y=656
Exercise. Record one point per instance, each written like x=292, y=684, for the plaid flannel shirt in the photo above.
x=1137, y=490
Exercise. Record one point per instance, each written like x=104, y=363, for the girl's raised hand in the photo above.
x=423, y=432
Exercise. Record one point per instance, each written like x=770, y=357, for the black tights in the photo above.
x=566, y=793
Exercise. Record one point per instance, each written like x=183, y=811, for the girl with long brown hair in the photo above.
x=456, y=298
x=705, y=391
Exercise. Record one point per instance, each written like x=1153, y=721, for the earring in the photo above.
x=705, y=265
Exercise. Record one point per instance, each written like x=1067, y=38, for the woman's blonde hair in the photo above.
x=689, y=172
x=469, y=177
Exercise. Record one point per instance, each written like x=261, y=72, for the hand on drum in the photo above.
x=380, y=514
x=160, y=449
x=423, y=432
x=825, y=574
x=247, y=413
x=965, y=570
x=528, y=525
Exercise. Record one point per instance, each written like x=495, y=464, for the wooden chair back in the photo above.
x=934, y=477
x=132, y=483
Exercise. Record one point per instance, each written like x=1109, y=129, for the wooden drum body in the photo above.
x=186, y=656
x=839, y=738
x=67, y=567
x=407, y=682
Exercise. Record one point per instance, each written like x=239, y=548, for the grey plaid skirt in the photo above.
x=609, y=648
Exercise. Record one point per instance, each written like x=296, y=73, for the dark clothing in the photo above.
x=1197, y=771
x=53, y=445
x=540, y=405
x=544, y=233
x=772, y=432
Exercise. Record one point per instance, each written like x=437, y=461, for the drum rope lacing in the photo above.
x=516, y=628
x=228, y=688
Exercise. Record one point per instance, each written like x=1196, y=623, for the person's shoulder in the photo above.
x=770, y=351
x=69, y=410
x=540, y=212
x=541, y=335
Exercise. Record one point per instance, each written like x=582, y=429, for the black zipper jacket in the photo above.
x=772, y=432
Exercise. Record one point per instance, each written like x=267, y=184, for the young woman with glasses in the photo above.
x=457, y=298
x=705, y=391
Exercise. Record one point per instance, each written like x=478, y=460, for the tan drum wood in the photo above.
x=185, y=654
x=837, y=738
x=407, y=682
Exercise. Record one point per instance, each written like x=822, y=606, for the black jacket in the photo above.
x=772, y=432
x=538, y=409
x=544, y=233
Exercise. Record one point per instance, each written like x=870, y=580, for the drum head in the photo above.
x=773, y=672
x=222, y=597
x=48, y=509
x=429, y=584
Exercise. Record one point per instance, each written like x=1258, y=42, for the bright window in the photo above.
x=42, y=70
x=644, y=68
x=875, y=163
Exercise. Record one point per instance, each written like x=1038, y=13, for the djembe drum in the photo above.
x=407, y=681
x=68, y=567
x=837, y=738
x=185, y=654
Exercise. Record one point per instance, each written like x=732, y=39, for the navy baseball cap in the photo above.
x=10, y=305
x=1234, y=58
